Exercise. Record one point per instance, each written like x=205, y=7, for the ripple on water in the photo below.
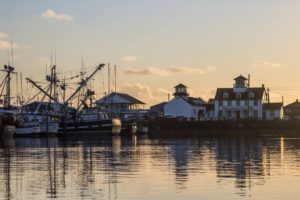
x=123, y=168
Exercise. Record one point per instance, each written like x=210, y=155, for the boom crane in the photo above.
x=83, y=83
x=42, y=90
x=89, y=94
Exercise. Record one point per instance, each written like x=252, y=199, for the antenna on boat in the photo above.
x=82, y=61
x=22, y=97
x=64, y=89
x=51, y=59
x=108, y=71
x=17, y=89
x=8, y=57
x=54, y=55
x=17, y=77
x=103, y=82
x=115, y=69
x=12, y=52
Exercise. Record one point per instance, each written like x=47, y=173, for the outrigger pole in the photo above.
x=42, y=90
x=83, y=83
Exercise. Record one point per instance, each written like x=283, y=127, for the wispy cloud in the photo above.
x=43, y=60
x=162, y=91
x=168, y=70
x=211, y=68
x=3, y=35
x=6, y=44
x=178, y=69
x=267, y=64
x=138, y=90
x=146, y=71
x=129, y=58
x=51, y=14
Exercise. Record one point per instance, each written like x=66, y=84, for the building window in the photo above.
x=255, y=103
x=229, y=103
x=255, y=114
x=229, y=114
x=238, y=96
x=221, y=114
x=251, y=95
x=238, y=103
x=272, y=113
x=225, y=95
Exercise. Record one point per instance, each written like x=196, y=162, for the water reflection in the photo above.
x=135, y=167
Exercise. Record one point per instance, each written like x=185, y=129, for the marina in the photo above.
x=149, y=100
x=242, y=107
x=53, y=115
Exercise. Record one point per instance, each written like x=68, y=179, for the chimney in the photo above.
x=248, y=80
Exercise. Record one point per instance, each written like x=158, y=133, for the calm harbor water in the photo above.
x=144, y=167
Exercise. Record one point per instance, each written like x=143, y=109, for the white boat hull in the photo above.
x=28, y=131
x=52, y=128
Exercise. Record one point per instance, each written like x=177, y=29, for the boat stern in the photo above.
x=116, y=126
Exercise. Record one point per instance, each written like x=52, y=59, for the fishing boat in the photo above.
x=7, y=123
x=46, y=114
x=91, y=120
x=36, y=124
x=27, y=128
x=84, y=118
x=7, y=112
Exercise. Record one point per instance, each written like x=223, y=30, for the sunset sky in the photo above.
x=157, y=44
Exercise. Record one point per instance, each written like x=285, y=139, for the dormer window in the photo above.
x=251, y=95
x=225, y=95
x=238, y=96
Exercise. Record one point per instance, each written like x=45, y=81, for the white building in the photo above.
x=292, y=111
x=273, y=111
x=244, y=102
x=240, y=102
x=121, y=104
x=184, y=106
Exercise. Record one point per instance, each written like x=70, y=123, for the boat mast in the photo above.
x=108, y=79
x=22, y=97
x=115, y=69
x=83, y=83
x=7, y=80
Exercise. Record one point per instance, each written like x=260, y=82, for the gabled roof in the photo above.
x=180, y=85
x=107, y=99
x=240, y=78
x=193, y=101
x=257, y=91
x=209, y=106
x=294, y=105
x=272, y=106
x=158, y=107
